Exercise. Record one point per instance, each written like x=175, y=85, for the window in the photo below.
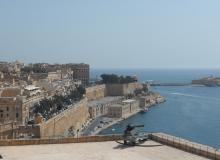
x=7, y=115
x=1, y=115
x=7, y=109
x=17, y=115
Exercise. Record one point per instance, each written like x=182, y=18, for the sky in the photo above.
x=112, y=33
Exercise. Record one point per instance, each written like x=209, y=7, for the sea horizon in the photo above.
x=159, y=75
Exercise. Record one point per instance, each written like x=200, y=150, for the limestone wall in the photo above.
x=122, y=89
x=95, y=92
x=114, y=90
x=73, y=117
x=188, y=146
x=100, y=91
x=15, y=142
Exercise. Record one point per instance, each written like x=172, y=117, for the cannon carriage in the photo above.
x=132, y=136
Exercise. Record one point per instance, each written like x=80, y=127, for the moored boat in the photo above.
x=144, y=110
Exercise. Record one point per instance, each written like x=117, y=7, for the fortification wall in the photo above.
x=122, y=89
x=114, y=89
x=95, y=92
x=73, y=117
x=100, y=91
x=129, y=88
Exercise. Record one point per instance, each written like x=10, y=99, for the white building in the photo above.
x=31, y=90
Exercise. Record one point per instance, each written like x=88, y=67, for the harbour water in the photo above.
x=190, y=112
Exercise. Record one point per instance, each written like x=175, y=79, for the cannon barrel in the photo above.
x=129, y=128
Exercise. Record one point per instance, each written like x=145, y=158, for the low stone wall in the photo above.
x=74, y=118
x=14, y=142
x=95, y=92
x=188, y=146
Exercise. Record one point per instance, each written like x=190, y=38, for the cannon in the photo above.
x=132, y=137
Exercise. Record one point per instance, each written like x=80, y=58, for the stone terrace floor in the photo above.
x=95, y=151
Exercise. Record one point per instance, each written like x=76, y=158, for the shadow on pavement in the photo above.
x=123, y=146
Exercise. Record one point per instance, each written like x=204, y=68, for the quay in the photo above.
x=160, y=146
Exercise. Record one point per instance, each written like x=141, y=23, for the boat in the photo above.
x=144, y=110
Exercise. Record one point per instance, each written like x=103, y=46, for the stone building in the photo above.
x=144, y=101
x=10, y=109
x=95, y=92
x=10, y=105
x=57, y=87
x=151, y=99
x=124, y=109
x=14, y=106
x=100, y=107
x=12, y=67
x=53, y=76
x=35, y=77
x=81, y=72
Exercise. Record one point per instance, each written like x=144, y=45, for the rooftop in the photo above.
x=96, y=151
x=10, y=92
x=31, y=87
x=128, y=101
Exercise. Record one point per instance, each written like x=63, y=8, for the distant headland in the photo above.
x=207, y=81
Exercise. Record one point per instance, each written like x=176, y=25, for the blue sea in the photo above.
x=190, y=112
